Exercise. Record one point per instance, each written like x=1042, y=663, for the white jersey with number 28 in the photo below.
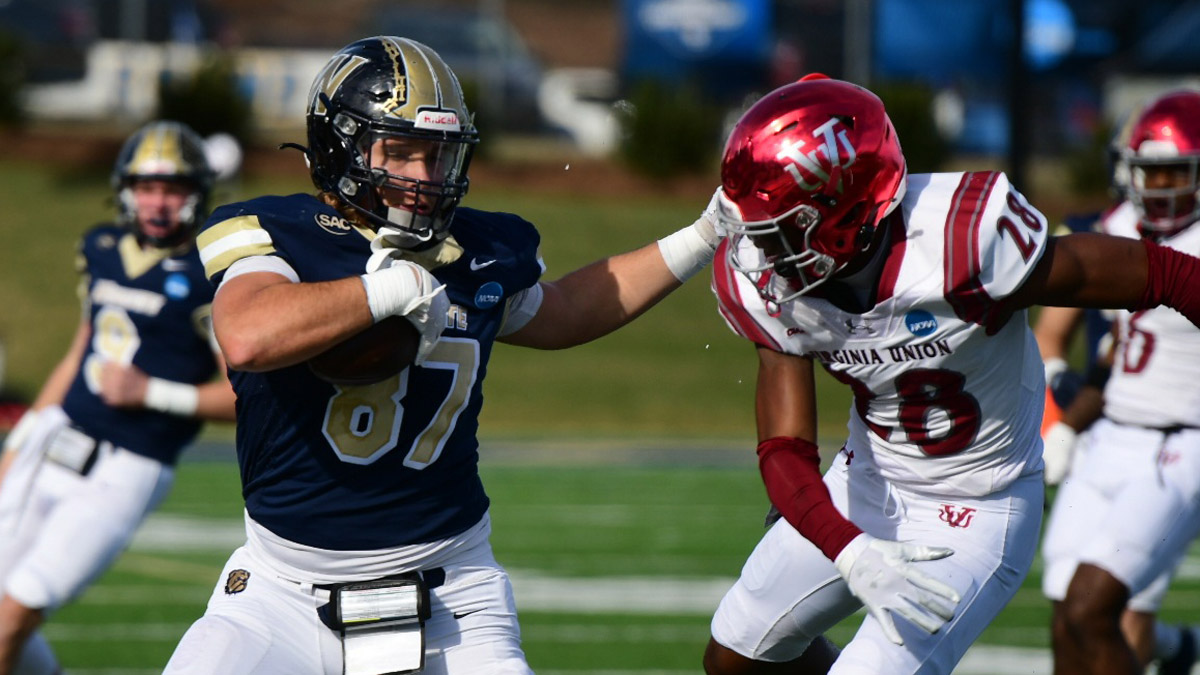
x=947, y=381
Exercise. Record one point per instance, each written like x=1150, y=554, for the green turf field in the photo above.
x=618, y=555
x=616, y=568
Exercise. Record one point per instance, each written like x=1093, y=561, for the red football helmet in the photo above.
x=1163, y=154
x=808, y=174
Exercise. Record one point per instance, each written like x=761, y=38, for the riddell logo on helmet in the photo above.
x=446, y=120
x=809, y=169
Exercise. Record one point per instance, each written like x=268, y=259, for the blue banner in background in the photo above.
x=722, y=46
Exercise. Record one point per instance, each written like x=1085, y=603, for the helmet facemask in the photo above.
x=790, y=249
x=170, y=152
x=405, y=181
x=1165, y=192
x=187, y=217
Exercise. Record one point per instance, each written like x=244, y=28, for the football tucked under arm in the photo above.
x=371, y=356
x=409, y=306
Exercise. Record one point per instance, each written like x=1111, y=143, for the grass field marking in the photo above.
x=156, y=567
x=133, y=595
x=170, y=532
x=617, y=595
x=110, y=632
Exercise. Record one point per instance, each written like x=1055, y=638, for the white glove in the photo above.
x=21, y=431
x=1053, y=366
x=881, y=574
x=1058, y=446
x=401, y=288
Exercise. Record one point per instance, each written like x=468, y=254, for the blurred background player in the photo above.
x=1130, y=503
x=96, y=452
x=1056, y=327
x=374, y=489
x=911, y=290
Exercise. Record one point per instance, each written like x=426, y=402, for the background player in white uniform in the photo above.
x=911, y=290
x=97, y=451
x=366, y=483
x=1130, y=505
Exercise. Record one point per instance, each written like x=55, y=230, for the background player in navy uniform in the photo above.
x=97, y=451
x=350, y=483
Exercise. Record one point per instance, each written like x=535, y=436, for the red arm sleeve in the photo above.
x=791, y=471
x=1172, y=279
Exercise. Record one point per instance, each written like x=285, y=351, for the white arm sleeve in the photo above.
x=260, y=263
x=521, y=308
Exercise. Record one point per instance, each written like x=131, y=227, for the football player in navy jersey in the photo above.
x=96, y=453
x=367, y=525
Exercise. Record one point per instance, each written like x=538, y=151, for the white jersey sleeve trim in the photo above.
x=260, y=263
x=522, y=307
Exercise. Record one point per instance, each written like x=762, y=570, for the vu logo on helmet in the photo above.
x=832, y=135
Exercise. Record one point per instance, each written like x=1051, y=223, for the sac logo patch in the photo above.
x=488, y=295
x=333, y=224
x=236, y=582
x=920, y=322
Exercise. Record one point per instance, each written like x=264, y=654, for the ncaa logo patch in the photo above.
x=488, y=295
x=177, y=286
x=920, y=322
x=236, y=582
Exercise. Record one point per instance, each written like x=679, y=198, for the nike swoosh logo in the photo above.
x=476, y=265
x=459, y=615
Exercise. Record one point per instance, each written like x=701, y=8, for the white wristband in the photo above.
x=1053, y=366
x=21, y=431
x=688, y=251
x=171, y=397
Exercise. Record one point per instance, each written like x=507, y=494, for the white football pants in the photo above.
x=789, y=592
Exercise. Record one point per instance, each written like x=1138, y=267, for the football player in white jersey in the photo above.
x=1130, y=505
x=97, y=451
x=910, y=289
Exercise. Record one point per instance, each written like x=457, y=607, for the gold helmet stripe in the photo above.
x=427, y=81
x=159, y=152
x=330, y=78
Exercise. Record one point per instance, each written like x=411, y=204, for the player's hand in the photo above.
x=709, y=224
x=1058, y=449
x=401, y=288
x=881, y=573
x=122, y=386
x=21, y=431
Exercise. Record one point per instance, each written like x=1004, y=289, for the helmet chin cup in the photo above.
x=411, y=230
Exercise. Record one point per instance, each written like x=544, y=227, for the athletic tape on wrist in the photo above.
x=176, y=398
x=687, y=251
